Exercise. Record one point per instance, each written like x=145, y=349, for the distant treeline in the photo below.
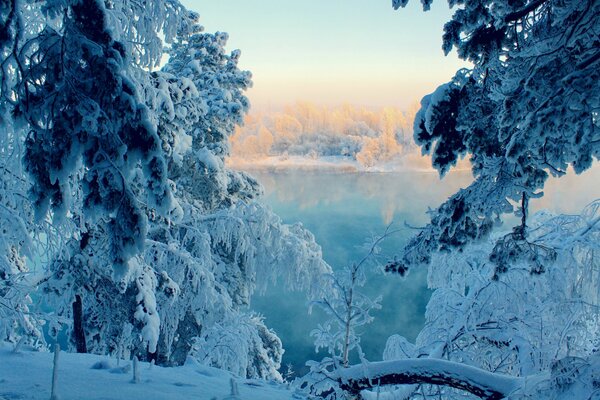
x=369, y=136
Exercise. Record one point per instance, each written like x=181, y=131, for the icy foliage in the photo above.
x=146, y=310
x=468, y=215
x=203, y=259
x=21, y=239
x=305, y=129
x=398, y=348
x=89, y=126
x=252, y=236
x=524, y=319
x=526, y=110
x=537, y=316
x=200, y=64
x=18, y=322
x=194, y=277
x=241, y=344
x=209, y=267
x=348, y=310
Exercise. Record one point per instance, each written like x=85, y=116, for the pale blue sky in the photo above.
x=330, y=52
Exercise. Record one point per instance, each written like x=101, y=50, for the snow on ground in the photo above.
x=28, y=375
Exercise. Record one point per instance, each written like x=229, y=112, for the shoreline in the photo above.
x=336, y=164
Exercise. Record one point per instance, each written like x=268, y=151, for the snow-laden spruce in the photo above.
x=527, y=109
x=162, y=244
x=89, y=128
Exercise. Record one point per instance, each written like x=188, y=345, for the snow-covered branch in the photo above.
x=479, y=382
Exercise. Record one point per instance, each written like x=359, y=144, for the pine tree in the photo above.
x=527, y=109
x=202, y=261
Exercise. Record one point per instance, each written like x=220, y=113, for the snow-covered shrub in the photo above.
x=348, y=309
x=241, y=344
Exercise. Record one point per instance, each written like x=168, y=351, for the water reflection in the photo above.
x=393, y=194
x=342, y=210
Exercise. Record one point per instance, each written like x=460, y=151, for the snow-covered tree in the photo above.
x=514, y=313
x=201, y=262
x=348, y=310
x=236, y=241
x=368, y=136
x=89, y=126
x=526, y=110
x=541, y=309
x=540, y=312
x=163, y=245
x=71, y=99
x=241, y=344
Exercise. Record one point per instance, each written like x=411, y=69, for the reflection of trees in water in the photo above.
x=409, y=193
x=406, y=192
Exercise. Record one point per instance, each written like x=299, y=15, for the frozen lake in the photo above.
x=342, y=209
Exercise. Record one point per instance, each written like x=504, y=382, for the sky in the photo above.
x=333, y=52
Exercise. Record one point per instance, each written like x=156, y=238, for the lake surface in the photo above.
x=342, y=210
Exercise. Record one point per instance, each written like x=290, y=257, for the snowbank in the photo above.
x=27, y=375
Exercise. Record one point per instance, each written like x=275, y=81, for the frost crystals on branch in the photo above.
x=348, y=309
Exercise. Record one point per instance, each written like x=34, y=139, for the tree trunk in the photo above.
x=78, y=332
x=524, y=210
x=347, y=330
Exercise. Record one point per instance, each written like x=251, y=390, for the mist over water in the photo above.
x=342, y=210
